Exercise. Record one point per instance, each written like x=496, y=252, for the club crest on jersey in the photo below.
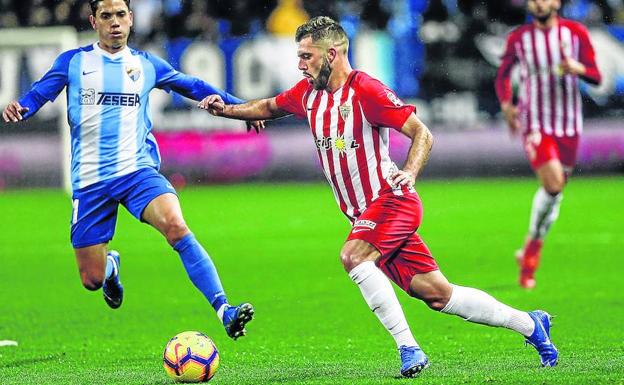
x=133, y=73
x=394, y=99
x=87, y=96
x=345, y=111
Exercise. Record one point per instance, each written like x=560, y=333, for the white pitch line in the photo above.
x=8, y=343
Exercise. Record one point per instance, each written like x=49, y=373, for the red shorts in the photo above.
x=541, y=148
x=390, y=224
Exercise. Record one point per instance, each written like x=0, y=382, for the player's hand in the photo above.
x=214, y=104
x=571, y=66
x=14, y=112
x=402, y=178
x=256, y=125
x=510, y=112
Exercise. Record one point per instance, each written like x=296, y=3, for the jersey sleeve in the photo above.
x=503, y=75
x=381, y=106
x=587, y=57
x=292, y=100
x=49, y=86
x=170, y=79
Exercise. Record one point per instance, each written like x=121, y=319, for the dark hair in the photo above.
x=94, y=5
x=322, y=28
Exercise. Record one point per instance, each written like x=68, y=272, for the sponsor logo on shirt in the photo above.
x=339, y=144
x=365, y=223
x=118, y=99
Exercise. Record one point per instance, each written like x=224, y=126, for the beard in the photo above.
x=320, y=81
x=544, y=18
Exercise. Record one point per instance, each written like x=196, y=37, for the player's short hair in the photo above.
x=324, y=30
x=94, y=5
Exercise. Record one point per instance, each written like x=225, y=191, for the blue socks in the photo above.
x=201, y=270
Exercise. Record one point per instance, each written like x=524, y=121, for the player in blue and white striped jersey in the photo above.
x=115, y=157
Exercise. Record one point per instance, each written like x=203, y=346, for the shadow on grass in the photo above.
x=317, y=372
x=31, y=361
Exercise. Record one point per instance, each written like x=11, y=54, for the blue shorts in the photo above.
x=94, y=212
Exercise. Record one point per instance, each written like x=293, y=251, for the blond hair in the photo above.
x=324, y=31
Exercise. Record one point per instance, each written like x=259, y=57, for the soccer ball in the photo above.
x=191, y=357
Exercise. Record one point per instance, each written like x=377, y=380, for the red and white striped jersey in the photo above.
x=351, y=131
x=548, y=100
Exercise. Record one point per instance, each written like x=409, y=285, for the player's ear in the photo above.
x=131, y=18
x=92, y=21
x=557, y=5
x=331, y=54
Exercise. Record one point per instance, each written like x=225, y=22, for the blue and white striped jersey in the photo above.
x=108, y=107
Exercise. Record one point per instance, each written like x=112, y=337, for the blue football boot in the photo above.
x=540, y=339
x=235, y=318
x=413, y=360
x=112, y=288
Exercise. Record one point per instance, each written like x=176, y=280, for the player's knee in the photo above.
x=436, y=295
x=437, y=303
x=554, y=187
x=350, y=260
x=91, y=281
x=436, y=300
x=175, y=229
x=555, y=184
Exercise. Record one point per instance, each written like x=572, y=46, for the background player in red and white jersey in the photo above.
x=350, y=114
x=553, y=53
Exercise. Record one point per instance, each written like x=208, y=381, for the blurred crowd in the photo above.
x=439, y=40
x=453, y=33
x=216, y=18
x=210, y=19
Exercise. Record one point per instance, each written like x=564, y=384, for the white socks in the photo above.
x=477, y=306
x=544, y=212
x=381, y=299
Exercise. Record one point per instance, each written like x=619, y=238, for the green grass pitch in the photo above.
x=277, y=246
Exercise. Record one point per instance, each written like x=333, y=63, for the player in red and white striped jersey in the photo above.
x=350, y=114
x=552, y=54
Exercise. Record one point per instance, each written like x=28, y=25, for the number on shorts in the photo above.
x=75, y=211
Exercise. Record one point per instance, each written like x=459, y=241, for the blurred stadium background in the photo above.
x=440, y=55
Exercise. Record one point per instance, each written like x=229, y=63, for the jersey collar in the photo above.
x=124, y=52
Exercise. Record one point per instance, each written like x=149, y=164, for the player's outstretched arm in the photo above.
x=261, y=109
x=418, y=154
x=42, y=91
x=14, y=112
